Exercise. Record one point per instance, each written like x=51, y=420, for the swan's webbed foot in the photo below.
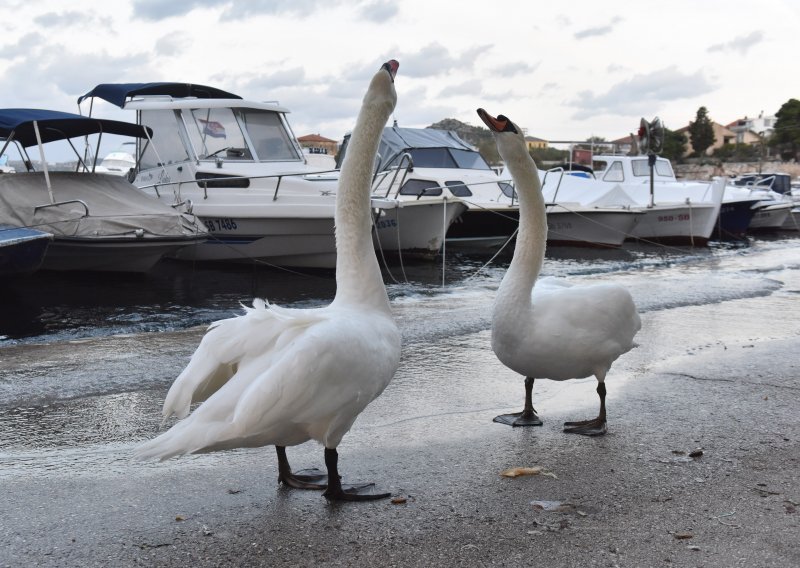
x=524, y=418
x=528, y=416
x=337, y=492
x=361, y=492
x=304, y=479
x=594, y=427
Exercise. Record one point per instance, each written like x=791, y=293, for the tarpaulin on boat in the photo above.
x=395, y=141
x=118, y=93
x=113, y=207
x=57, y=125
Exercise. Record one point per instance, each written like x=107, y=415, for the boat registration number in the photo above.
x=220, y=224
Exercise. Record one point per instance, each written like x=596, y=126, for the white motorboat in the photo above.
x=98, y=222
x=424, y=165
x=675, y=212
x=241, y=167
x=775, y=202
x=120, y=162
x=583, y=212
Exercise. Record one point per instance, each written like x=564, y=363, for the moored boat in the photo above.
x=681, y=213
x=98, y=222
x=22, y=249
x=244, y=171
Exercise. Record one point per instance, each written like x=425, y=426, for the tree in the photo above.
x=674, y=145
x=786, y=137
x=701, y=132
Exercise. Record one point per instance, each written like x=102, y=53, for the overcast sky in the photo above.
x=562, y=70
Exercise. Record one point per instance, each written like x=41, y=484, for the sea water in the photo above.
x=115, y=343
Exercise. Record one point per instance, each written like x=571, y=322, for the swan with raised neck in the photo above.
x=282, y=376
x=551, y=329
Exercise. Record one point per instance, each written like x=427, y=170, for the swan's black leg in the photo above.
x=594, y=427
x=305, y=479
x=335, y=491
x=528, y=415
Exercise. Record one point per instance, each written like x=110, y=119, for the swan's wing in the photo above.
x=325, y=378
x=224, y=346
x=312, y=384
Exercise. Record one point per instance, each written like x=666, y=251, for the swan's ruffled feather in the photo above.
x=305, y=374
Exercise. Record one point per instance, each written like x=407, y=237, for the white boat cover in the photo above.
x=114, y=207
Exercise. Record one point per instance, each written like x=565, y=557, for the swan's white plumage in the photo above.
x=550, y=328
x=280, y=376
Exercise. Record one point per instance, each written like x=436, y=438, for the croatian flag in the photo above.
x=213, y=128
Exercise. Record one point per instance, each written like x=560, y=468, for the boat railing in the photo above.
x=560, y=171
x=211, y=182
x=405, y=164
x=59, y=203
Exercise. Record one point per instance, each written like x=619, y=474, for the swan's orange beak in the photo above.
x=391, y=66
x=494, y=124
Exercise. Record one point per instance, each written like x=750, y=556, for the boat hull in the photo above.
x=22, y=250
x=483, y=228
x=589, y=227
x=416, y=227
x=280, y=241
x=734, y=219
x=770, y=217
x=110, y=255
x=677, y=224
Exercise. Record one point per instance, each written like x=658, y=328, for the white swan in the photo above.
x=558, y=331
x=279, y=376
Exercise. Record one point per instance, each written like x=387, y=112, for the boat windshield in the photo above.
x=240, y=134
x=447, y=158
x=662, y=168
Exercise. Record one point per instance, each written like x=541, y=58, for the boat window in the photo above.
x=458, y=188
x=469, y=160
x=432, y=158
x=782, y=183
x=664, y=168
x=614, y=172
x=507, y=189
x=599, y=166
x=268, y=135
x=167, y=146
x=640, y=167
x=214, y=132
x=420, y=187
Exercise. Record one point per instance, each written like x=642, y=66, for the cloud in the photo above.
x=379, y=11
x=58, y=20
x=741, y=43
x=470, y=88
x=598, y=30
x=514, y=69
x=172, y=44
x=155, y=10
x=434, y=60
x=241, y=9
x=642, y=93
x=23, y=46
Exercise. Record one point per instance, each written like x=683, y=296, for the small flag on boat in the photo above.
x=213, y=128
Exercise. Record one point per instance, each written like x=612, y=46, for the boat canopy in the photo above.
x=396, y=141
x=118, y=93
x=56, y=125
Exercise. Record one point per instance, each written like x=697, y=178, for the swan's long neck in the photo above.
x=358, y=275
x=515, y=289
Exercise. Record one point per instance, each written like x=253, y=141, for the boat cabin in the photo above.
x=630, y=169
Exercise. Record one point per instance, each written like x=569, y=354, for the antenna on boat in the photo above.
x=651, y=142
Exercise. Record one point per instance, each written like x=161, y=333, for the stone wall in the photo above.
x=732, y=169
